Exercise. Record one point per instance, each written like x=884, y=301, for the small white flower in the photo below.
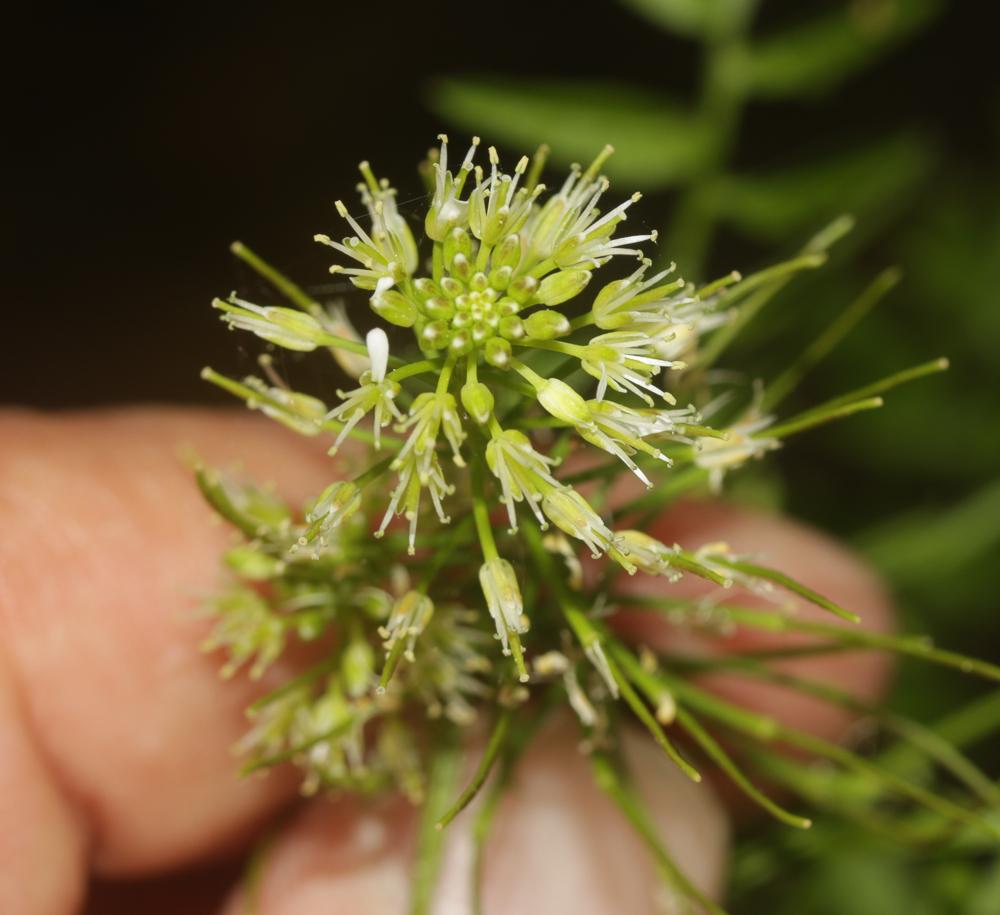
x=718, y=456
x=496, y=206
x=637, y=303
x=626, y=361
x=573, y=515
x=447, y=210
x=523, y=473
x=648, y=554
x=409, y=617
x=376, y=393
x=503, y=598
x=286, y=327
x=335, y=505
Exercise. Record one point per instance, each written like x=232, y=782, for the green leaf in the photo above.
x=656, y=142
x=695, y=18
x=815, y=57
x=788, y=202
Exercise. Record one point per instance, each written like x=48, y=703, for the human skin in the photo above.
x=116, y=731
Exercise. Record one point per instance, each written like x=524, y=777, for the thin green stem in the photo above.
x=490, y=756
x=886, y=384
x=609, y=780
x=827, y=341
x=444, y=379
x=445, y=767
x=819, y=417
x=554, y=346
x=292, y=291
x=414, y=368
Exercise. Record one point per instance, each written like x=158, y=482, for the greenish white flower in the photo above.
x=635, y=303
x=409, y=617
x=376, y=394
x=626, y=361
x=503, y=598
x=572, y=514
x=335, y=505
x=649, y=555
x=447, y=210
x=743, y=442
x=286, y=327
x=523, y=473
x=496, y=206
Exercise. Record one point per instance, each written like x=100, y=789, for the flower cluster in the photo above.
x=495, y=307
x=528, y=390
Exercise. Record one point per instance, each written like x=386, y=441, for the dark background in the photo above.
x=146, y=138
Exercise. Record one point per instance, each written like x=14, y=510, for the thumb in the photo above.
x=558, y=844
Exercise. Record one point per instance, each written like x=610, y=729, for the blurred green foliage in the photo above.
x=915, y=486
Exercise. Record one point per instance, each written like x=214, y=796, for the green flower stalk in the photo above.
x=519, y=343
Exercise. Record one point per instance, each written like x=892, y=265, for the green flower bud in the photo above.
x=452, y=287
x=559, y=399
x=435, y=335
x=511, y=327
x=461, y=267
x=439, y=308
x=508, y=252
x=478, y=401
x=523, y=289
x=426, y=288
x=395, y=308
x=546, y=325
x=497, y=352
x=479, y=282
x=562, y=286
x=481, y=332
x=457, y=242
x=461, y=342
x=500, y=277
x=507, y=306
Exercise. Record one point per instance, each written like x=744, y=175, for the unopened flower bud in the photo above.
x=511, y=327
x=395, y=308
x=546, y=325
x=508, y=252
x=457, y=242
x=523, y=289
x=478, y=401
x=562, y=286
x=559, y=399
x=500, y=277
x=497, y=352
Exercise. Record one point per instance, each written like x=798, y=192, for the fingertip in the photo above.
x=558, y=844
x=106, y=552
